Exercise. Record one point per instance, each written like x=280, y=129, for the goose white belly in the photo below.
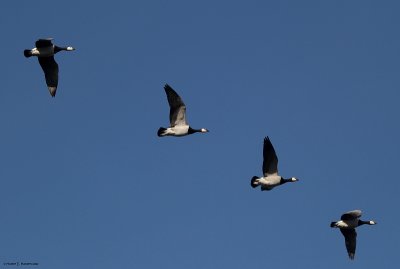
x=270, y=181
x=178, y=130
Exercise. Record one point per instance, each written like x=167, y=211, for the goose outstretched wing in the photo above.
x=44, y=42
x=270, y=163
x=351, y=215
x=177, y=112
x=350, y=239
x=50, y=69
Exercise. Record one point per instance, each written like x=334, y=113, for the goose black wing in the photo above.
x=350, y=239
x=270, y=164
x=50, y=69
x=351, y=215
x=177, y=109
x=45, y=42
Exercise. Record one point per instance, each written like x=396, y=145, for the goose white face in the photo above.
x=294, y=179
x=70, y=48
x=204, y=130
x=372, y=222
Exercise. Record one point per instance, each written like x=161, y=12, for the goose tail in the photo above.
x=27, y=53
x=161, y=131
x=254, y=182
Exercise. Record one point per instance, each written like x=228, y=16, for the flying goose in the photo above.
x=177, y=117
x=347, y=224
x=45, y=51
x=271, y=178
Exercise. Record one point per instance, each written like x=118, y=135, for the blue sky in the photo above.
x=86, y=182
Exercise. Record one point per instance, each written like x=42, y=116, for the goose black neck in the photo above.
x=362, y=222
x=192, y=131
x=58, y=49
x=285, y=180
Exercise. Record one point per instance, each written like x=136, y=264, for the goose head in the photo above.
x=192, y=131
x=58, y=49
x=368, y=222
